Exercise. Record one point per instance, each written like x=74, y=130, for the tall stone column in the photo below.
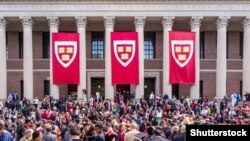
x=221, y=63
x=167, y=24
x=109, y=22
x=195, y=27
x=53, y=26
x=246, y=56
x=139, y=26
x=27, y=23
x=81, y=29
x=3, y=59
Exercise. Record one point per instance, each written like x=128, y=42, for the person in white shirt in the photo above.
x=204, y=112
x=10, y=98
x=233, y=98
x=91, y=100
x=98, y=96
x=1, y=107
x=151, y=96
x=232, y=112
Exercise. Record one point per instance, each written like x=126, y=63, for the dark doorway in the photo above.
x=201, y=88
x=175, y=91
x=123, y=87
x=72, y=91
x=241, y=93
x=72, y=88
x=21, y=89
x=149, y=86
x=97, y=85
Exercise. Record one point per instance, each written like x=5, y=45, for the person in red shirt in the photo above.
x=44, y=114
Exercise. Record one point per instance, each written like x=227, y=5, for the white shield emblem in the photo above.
x=182, y=51
x=124, y=51
x=65, y=52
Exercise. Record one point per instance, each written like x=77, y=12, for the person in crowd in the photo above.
x=75, y=134
x=233, y=98
x=37, y=136
x=5, y=135
x=48, y=136
x=28, y=135
x=129, y=135
x=123, y=119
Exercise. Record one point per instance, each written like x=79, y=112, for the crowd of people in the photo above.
x=123, y=119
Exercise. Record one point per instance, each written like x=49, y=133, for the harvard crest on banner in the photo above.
x=124, y=57
x=182, y=58
x=65, y=49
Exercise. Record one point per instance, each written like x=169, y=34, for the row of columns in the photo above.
x=139, y=22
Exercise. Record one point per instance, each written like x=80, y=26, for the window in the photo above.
x=241, y=44
x=202, y=45
x=97, y=45
x=201, y=88
x=20, y=45
x=46, y=45
x=46, y=87
x=149, y=45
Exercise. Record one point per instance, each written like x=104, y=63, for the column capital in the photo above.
x=53, y=21
x=109, y=21
x=167, y=21
x=3, y=23
x=27, y=21
x=246, y=23
x=195, y=21
x=139, y=21
x=81, y=21
x=222, y=21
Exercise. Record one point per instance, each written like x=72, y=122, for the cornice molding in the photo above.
x=51, y=1
x=125, y=8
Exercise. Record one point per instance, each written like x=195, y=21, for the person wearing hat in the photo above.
x=28, y=135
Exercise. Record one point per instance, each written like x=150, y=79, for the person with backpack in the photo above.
x=5, y=135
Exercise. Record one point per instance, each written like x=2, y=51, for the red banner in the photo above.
x=124, y=56
x=65, y=55
x=182, y=57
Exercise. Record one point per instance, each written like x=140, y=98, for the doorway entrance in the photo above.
x=123, y=87
x=97, y=85
x=149, y=87
x=72, y=91
x=175, y=91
